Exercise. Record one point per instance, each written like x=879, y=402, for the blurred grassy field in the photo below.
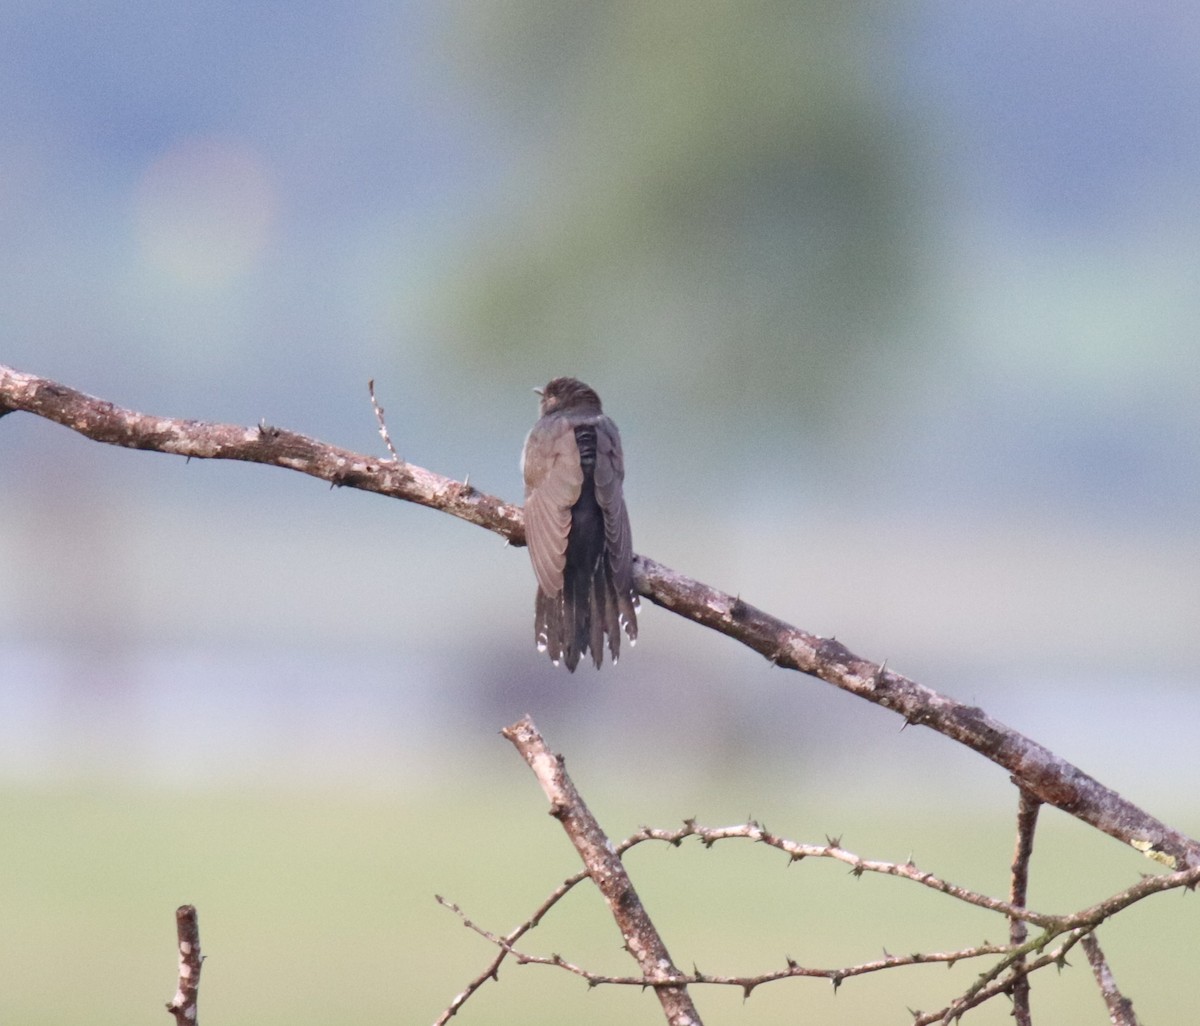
x=319, y=908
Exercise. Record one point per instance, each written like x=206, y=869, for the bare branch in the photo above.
x=104, y=422
x=990, y=985
x=1027, y=815
x=1012, y=969
x=1120, y=1008
x=1038, y=770
x=907, y=870
x=504, y=943
x=858, y=865
x=744, y=983
x=1086, y=919
x=607, y=873
x=183, y=1005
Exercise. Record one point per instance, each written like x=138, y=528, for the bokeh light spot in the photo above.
x=204, y=210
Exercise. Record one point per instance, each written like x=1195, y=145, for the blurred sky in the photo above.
x=894, y=305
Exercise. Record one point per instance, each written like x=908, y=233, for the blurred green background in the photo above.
x=895, y=307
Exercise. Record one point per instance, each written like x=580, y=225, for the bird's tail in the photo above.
x=576, y=621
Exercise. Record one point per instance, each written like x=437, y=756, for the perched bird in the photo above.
x=577, y=527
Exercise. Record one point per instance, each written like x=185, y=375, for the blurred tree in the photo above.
x=709, y=187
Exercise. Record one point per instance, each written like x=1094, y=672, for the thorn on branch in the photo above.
x=879, y=677
x=460, y=489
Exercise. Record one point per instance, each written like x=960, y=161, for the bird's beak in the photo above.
x=540, y=391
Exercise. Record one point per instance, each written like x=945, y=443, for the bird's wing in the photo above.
x=609, y=475
x=553, y=481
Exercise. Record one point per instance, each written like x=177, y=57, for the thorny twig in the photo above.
x=990, y=985
x=1014, y=957
x=746, y=983
x=505, y=943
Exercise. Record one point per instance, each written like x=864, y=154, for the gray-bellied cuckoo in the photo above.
x=577, y=527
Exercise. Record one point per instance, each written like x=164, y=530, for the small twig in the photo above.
x=745, y=983
x=505, y=943
x=604, y=866
x=383, y=428
x=1027, y=816
x=1120, y=1008
x=1087, y=919
x=183, y=1005
x=510, y=938
x=990, y=985
x=858, y=865
x=1014, y=956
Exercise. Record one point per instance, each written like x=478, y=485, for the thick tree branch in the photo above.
x=1120, y=1008
x=604, y=866
x=1038, y=770
x=1033, y=767
x=103, y=422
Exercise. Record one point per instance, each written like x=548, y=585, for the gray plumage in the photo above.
x=577, y=527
